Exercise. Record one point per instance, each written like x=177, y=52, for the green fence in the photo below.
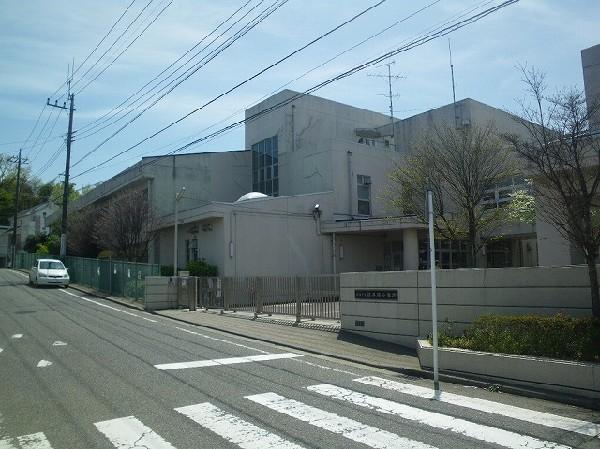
x=114, y=277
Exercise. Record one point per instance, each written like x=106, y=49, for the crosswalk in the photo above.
x=130, y=432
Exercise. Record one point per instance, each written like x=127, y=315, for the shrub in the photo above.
x=201, y=268
x=558, y=336
x=166, y=270
x=42, y=249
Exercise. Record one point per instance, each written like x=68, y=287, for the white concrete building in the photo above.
x=313, y=152
x=34, y=221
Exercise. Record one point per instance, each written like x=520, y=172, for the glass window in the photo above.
x=265, y=166
x=363, y=193
x=51, y=266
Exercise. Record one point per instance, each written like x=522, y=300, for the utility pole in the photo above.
x=390, y=95
x=65, y=203
x=453, y=86
x=18, y=188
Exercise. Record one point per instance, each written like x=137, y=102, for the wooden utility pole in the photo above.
x=18, y=188
x=65, y=202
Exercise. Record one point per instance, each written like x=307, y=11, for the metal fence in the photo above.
x=114, y=277
x=299, y=296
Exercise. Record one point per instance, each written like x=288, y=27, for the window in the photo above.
x=448, y=253
x=363, y=193
x=265, y=166
x=192, y=249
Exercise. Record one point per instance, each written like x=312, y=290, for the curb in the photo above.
x=109, y=298
x=444, y=376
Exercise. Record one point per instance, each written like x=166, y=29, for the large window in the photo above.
x=448, y=253
x=363, y=193
x=265, y=167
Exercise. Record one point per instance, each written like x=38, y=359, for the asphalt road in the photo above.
x=80, y=372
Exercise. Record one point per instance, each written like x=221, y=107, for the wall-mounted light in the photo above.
x=341, y=251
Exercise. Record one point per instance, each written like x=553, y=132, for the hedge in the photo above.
x=558, y=336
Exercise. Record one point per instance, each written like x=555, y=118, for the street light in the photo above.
x=436, y=380
x=178, y=196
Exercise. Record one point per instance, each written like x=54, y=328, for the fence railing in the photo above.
x=299, y=296
x=114, y=277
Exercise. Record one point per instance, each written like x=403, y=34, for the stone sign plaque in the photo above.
x=389, y=295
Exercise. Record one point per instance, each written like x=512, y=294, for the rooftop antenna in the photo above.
x=390, y=95
x=453, y=86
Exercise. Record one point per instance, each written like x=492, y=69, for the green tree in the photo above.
x=563, y=157
x=460, y=166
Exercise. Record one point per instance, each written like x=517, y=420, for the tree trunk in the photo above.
x=473, y=238
x=591, y=263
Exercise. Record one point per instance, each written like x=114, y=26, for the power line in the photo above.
x=405, y=48
x=47, y=137
x=194, y=68
x=276, y=63
x=100, y=120
x=126, y=48
x=95, y=48
x=112, y=45
x=266, y=13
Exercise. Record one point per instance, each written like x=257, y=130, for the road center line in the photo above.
x=487, y=434
x=483, y=405
x=16, y=336
x=226, y=361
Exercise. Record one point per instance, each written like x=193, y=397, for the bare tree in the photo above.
x=81, y=241
x=563, y=157
x=459, y=166
x=127, y=225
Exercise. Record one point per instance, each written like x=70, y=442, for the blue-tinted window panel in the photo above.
x=261, y=187
x=268, y=147
x=255, y=187
x=268, y=188
x=269, y=174
x=276, y=187
x=261, y=146
x=275, y=171
x=262, y=175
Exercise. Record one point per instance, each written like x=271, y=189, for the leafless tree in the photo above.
x=459, y=166
x=81, y=224
x=126, y=225
x=563, y=156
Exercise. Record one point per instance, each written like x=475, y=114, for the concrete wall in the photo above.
x=160, y=293
x=463, y=295
x=590, y=62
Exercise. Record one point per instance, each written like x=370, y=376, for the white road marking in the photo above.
x=483, y=405
x=348, y=428
x=59, y=343
x=43, y=363
x=226, y=361
x=487, y=434
x=15, y=336
x=222, y=340
x=1, y=349
x=327, y=368
x=234, y=429
x=131, y=433
x=33, y=441
x=126, y=312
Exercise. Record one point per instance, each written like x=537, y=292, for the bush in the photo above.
x=201, y=268
x=166, y=270
x=42, y=249
x=556, y=336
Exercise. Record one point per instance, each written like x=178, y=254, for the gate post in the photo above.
x=298, y=299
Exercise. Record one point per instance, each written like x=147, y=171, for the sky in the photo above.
x=40, y=40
